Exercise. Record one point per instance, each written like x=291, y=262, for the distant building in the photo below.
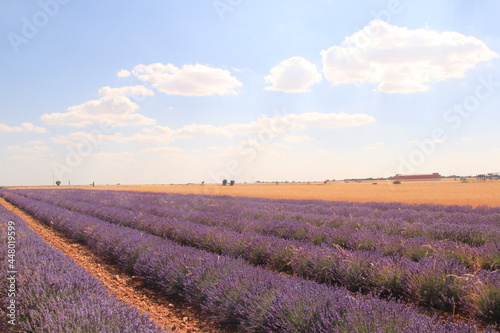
x=430, y=176
x=490, y=175
x=493, y=175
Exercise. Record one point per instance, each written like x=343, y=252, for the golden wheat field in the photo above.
x=446, y=191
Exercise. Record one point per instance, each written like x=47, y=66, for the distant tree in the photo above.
x=397, y=182
x=203, y=183
x=58, y=182
x=224, y=182
x=231, y=183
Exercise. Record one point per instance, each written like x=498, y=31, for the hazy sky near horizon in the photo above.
x=187, y=91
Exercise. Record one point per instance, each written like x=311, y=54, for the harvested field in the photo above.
x=446, y=192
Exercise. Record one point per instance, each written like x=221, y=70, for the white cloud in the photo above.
x=24, y=127
x=206, y=129
x=123, y=73
x=295, y=74
x=246, y=148
x=376, y=146
x=325, y=152
x=155, y=139
x=16, y=149
x=190, y=80
x=137, y=90
x=400, y=60
x=274, y=125
x=265, y=126
x=289, y=138
x=162, y=150
x=217, y=153
x=34, y=143
x=61, y=139
x=25, y=159
x=417, y=142
x=112, y=156
x=466, y=139
x=113, y=108
x=326, y=120
x=81, y=139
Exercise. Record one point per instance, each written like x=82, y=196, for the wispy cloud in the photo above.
x=162, y=150
x=33, y=149
x=376, y=146
x=24, y=127
x=124, y=156
x=290, y=138
x=137, y=90
x=276, y=125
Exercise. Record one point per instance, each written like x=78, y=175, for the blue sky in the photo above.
x=147, y=92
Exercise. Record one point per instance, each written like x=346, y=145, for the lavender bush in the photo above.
x=56, y=295
x=232, y=291
x=471, y=237
x=438, y=283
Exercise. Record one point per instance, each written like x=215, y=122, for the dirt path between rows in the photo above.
x=171, y=313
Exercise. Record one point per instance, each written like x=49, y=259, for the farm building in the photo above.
x=490, y=175
x=431, y=176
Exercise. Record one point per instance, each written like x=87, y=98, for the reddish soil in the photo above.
x=169, y=312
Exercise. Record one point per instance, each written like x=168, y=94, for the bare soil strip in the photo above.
x=171, y=313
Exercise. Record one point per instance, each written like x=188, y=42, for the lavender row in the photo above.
x=487, y=256
x=234, y=292
x=415, y=220
x=442, y=284
x=54, y=294
x=180, y=207
x=474, y=227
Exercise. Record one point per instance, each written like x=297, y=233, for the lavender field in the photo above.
x=53, y=294
x=266, y=265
